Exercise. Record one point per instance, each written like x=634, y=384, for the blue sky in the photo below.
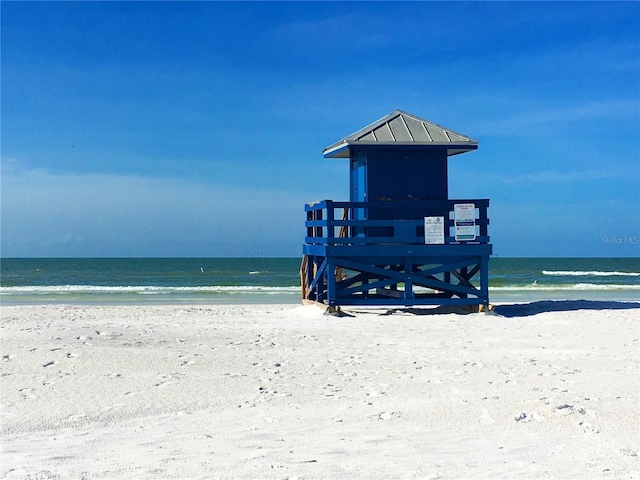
x=197, y=128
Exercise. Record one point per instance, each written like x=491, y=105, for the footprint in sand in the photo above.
x=564, y=409
x=27, y=394
x=111, y=407
x=383, y=416
x=75, y=418
x=588, y=428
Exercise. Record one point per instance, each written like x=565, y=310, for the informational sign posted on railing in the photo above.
x=434, y=230
x=464, y=220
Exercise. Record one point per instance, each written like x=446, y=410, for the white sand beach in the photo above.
x=548, y=390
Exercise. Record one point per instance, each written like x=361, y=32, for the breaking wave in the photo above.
x=593, y=273
x=144, y=290
x=571, y=287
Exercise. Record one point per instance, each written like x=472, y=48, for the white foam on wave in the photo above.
x=586, y=273
x=143, y=290
x=255, y=289
x=552, y=288
x=576, y=286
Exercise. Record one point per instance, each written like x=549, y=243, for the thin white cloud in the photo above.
x=46, y=213
x=550, y=176
x=511, y=116
x=363, y=30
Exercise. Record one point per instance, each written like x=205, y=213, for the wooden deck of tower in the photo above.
x=399, y=240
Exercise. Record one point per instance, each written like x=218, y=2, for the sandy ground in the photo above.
x=547, y=390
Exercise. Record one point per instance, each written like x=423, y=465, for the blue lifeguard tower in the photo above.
x=399, y=240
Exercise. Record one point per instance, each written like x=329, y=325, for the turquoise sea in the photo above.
x=276, y=280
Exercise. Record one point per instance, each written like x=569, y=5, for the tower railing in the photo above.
x=386, y=222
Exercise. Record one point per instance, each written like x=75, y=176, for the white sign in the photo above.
x=464, y=212
x=464, y=220
x=465, y=233
x=434, y=230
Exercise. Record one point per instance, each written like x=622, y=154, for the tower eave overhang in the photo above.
x=343, y=150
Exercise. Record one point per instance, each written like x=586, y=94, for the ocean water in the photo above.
x=276, y=280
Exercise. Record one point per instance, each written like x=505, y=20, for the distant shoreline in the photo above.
x=276, y=280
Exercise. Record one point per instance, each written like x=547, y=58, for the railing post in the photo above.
x=330, y=225
x=309, y=219
x=318, y=229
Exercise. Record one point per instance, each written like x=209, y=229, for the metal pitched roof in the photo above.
x=402, y=128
